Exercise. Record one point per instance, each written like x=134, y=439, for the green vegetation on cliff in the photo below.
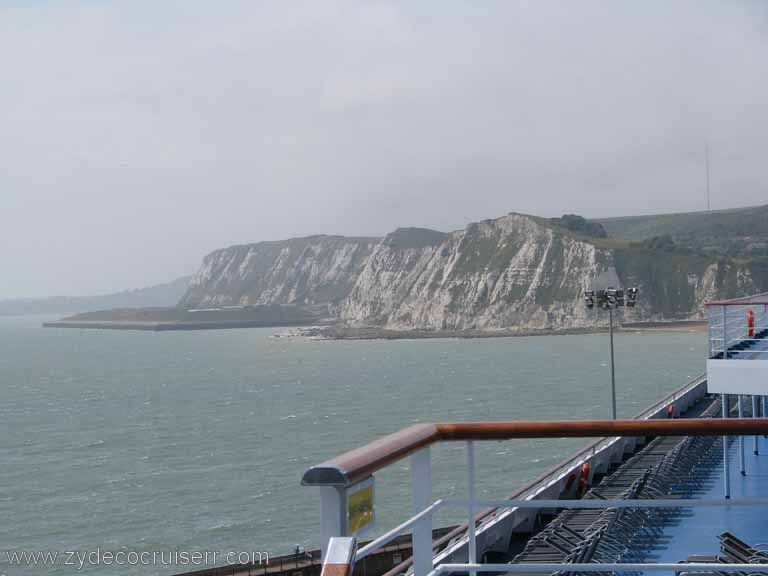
x=410, y=238
x=680, y=260
x=580, y=225
x=742, y=232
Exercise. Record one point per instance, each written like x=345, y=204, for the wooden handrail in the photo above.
x=360, y=463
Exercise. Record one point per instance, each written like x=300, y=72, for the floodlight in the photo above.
x=609, y=299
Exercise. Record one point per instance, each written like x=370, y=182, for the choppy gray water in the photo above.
x=197, y=440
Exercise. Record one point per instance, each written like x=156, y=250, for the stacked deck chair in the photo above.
x=668, y=467
x=733, y=550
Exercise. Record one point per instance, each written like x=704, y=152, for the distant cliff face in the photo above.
x=160, y=295
x=509, y=272
x=317, y=269
x=515, y=272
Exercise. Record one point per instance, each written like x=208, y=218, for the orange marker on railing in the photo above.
x=750, y=323
x=584, y=480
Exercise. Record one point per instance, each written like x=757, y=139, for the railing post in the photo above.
x=331, y=515
x=765, y=407
x=755, y=414
x=726, y=463
x=471, y=498
x=340, y=557
x=741, y=438
x=421, y=497
x=725, y=333
x=613, y=368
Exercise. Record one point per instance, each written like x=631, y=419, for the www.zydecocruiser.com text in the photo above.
x=78, y=559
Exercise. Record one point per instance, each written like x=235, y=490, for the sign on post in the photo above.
x=360, y=507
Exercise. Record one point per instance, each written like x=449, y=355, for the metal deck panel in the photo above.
x=697, y=533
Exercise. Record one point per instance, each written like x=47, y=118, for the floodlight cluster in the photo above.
x=611, y=298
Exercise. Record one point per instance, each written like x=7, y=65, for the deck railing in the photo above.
x=343, y=548
x=676, y=401
x=336, y=475
x=729, y=326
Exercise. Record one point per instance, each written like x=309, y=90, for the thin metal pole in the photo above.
x=726, y=467
x=765, y=409
x=613, y=370
x=755, y=414
x=741, y=438
x=725, y=335
x=421, y=498
x=471, y=490
x=706, y=154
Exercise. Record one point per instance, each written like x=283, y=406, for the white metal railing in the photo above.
x=472, y=503
x=530, y=567
x=421, y=526
x=430, y=510
x=424, y=517
x=389, y=536
x=341, y=559
x=600, y=454
x=730, y=325
x=694, y=389
x=334, y=477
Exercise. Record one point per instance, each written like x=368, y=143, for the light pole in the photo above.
x=608, y=300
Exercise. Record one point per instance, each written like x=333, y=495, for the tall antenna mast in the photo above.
x=706, y=159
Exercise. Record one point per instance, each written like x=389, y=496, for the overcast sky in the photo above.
x=137, y=136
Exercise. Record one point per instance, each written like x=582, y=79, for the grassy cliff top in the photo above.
x=406, y=238
x=735, y=222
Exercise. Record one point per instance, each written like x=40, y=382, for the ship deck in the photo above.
x=756, y=351
x=697, y=532
x=673, y=468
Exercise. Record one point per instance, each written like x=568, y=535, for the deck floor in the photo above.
x=755, y=352
x=697, y=533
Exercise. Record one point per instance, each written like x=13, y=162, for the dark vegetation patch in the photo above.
x=580, y=225
x=414, y=238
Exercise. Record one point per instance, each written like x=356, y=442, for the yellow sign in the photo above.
x=360, y=514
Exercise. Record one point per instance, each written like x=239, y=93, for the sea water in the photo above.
x=197, y=441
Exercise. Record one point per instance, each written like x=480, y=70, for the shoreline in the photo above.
x=301, y=322
x=338, y=332
x=165, y=319
x=165, y=326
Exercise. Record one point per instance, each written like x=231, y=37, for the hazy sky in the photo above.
x=137, y=136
